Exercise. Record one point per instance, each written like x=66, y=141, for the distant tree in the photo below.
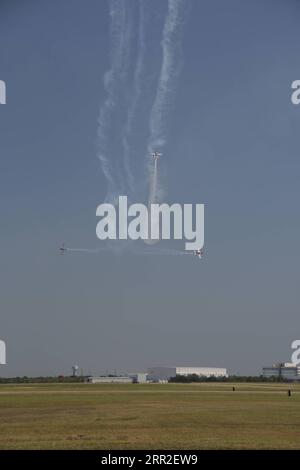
x=194, y=378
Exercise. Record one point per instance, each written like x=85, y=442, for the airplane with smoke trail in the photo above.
x=159, y=251
x=122, y=177
x=122, y=68
x=63, y=250
x=156, y=155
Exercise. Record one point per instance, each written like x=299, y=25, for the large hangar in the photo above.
x=165, y=373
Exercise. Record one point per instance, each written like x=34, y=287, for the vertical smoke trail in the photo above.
x=153, y=185
x=170, y=70
x=153, y=199
x=114, y=80
x=138, y=84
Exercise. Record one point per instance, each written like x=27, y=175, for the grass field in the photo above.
x=152, y=416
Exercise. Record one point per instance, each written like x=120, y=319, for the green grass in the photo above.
x=170, y=416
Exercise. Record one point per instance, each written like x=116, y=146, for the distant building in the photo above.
x=283, y=370
x=110, y=380
x=165, y=373
x=138, y=377
x=75, y=370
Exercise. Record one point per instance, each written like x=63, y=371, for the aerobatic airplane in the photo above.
x=63, y=249
x=199, y=253
x=156, y=155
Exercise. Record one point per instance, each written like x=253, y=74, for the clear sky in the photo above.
x=233, y=144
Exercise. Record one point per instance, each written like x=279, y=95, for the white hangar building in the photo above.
x=165, y=373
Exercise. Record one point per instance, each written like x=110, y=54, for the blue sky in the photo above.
x=232, y=145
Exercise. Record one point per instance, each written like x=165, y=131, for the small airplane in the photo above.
x=156, y=155
x=199, y=253
x=63, y=249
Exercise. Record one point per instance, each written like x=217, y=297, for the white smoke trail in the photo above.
x=85, y=250
x=114, y=82
x=136, y=251
x=114, y=79
x=170, y=70
x=138, y=85
x=153, y=199
x=162, y=251
x=153, y=185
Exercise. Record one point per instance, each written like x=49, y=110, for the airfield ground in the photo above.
x=152, y=416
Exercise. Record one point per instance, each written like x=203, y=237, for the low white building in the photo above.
x=110, y=380
x=165, y=373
